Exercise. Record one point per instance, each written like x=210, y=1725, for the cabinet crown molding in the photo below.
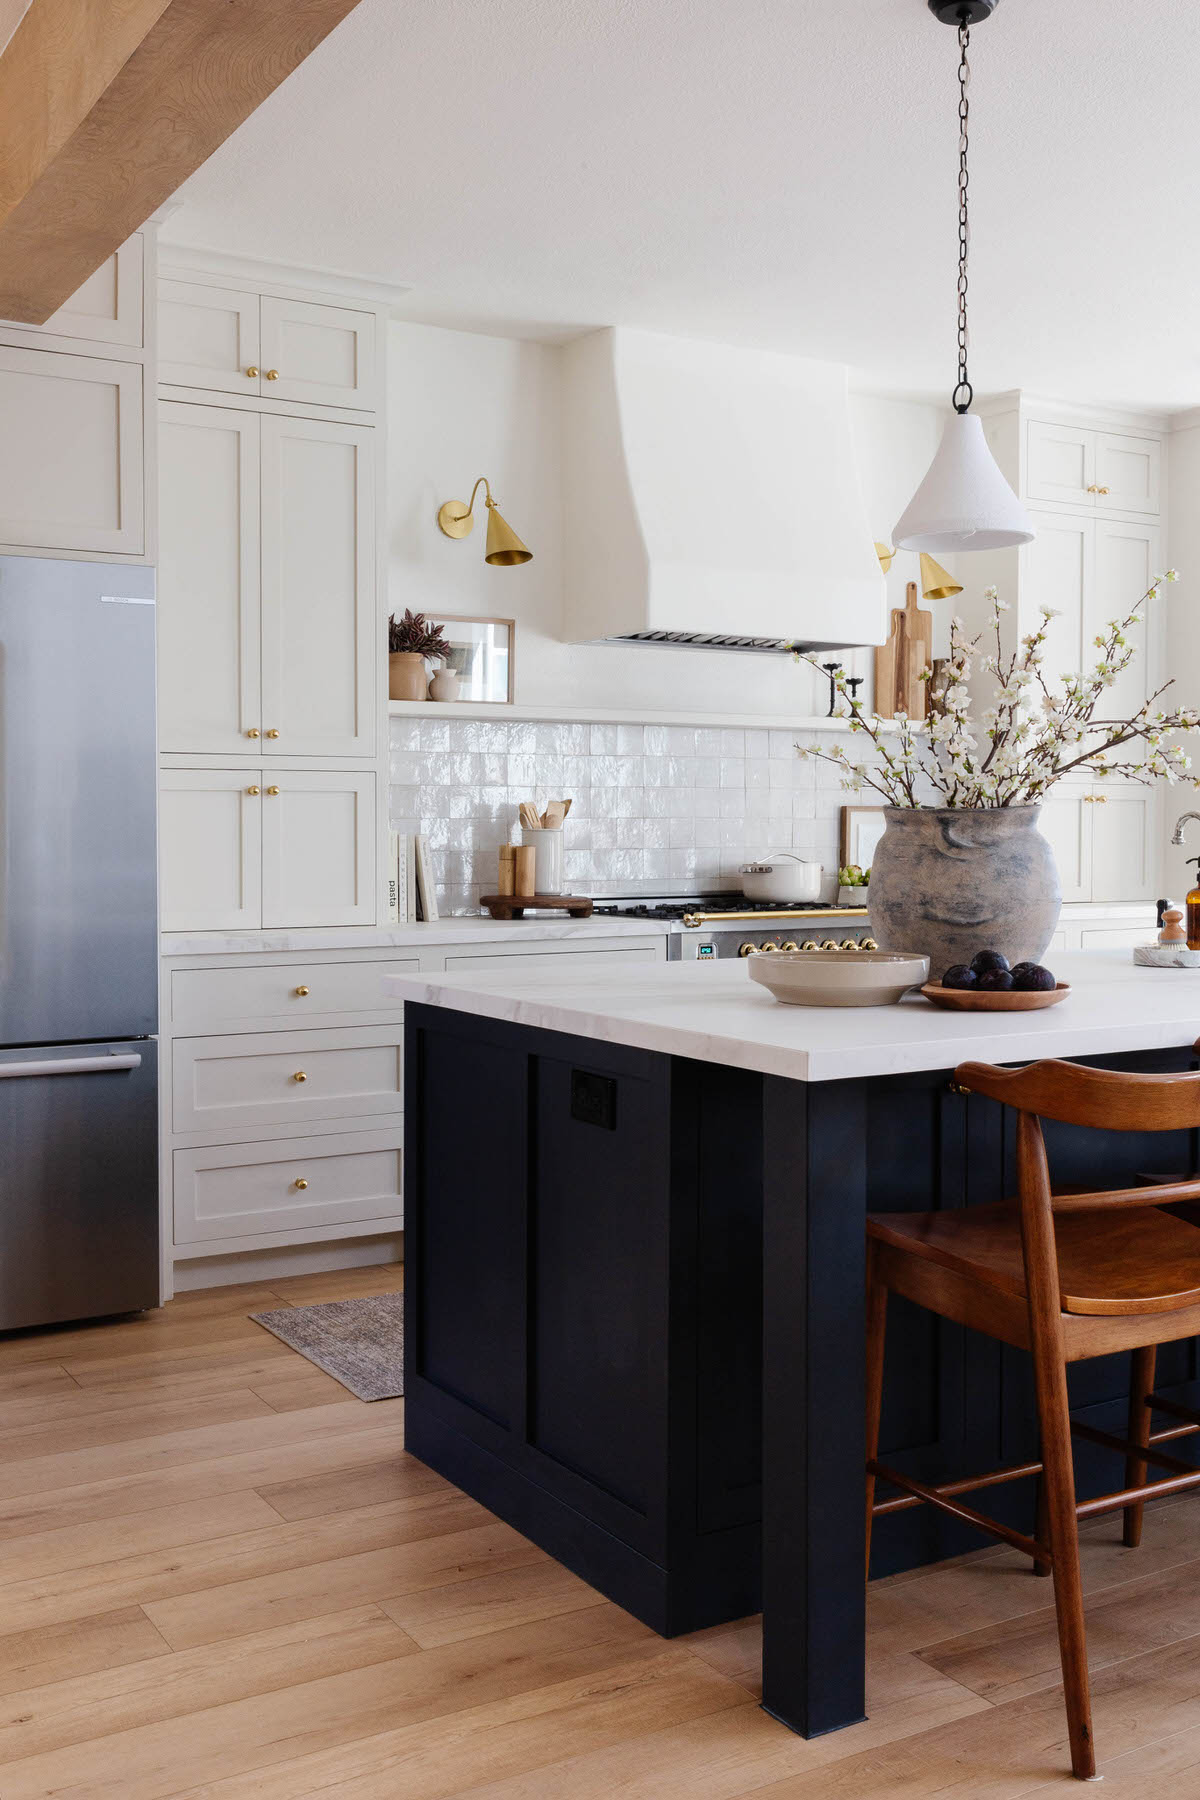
x=1050, y=411
x=288, y=279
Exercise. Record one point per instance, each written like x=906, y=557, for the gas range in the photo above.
x=716, y=925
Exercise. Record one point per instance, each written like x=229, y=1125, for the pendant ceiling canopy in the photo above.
x=964, y=502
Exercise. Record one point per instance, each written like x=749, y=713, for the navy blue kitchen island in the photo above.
x=634, y=1223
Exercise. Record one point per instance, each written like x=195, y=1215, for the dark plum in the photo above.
x=995, y=981
x=959, y=975
x=1032, y=978
x=986, y=962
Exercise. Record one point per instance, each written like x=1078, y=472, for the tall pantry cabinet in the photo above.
x=1094, y=488
x=270, y=661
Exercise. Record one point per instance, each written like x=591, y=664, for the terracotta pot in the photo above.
x=946, y=882
x=408, y=678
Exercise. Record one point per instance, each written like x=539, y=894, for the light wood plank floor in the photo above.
x=221, y=1579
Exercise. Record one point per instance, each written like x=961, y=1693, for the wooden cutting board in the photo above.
x=899, y=662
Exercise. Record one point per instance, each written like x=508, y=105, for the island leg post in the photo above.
x=814, y=1209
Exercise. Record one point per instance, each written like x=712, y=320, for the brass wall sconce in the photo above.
x=936, y=583
x=504, y=548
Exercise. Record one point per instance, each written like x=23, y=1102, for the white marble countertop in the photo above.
x=540, y=926
x=715, y=1013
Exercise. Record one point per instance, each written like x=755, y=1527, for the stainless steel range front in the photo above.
x=710, y=926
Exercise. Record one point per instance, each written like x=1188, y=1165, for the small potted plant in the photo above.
x=410, y=641
x=852, y=885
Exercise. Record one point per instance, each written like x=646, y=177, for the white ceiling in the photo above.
x=774, y=172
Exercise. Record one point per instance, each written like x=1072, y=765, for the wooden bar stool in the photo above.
x=1065, y=1276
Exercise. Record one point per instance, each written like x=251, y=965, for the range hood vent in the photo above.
x=712, y=500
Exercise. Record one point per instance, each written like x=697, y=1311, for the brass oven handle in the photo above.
x=693, y=920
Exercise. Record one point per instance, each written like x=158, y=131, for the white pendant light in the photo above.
x=964, y=502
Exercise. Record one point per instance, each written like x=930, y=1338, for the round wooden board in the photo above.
x=971, y=1000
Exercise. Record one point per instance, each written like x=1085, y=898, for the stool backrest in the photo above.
x=1106, y=1100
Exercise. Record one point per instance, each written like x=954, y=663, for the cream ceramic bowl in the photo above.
x=839, y=977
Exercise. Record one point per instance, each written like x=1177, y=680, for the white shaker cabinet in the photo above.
x=71, y=453
x=1126, y=827
x=243, y=848
x=1092, y=571
x=267, y=584
x=236, y=342
x=1103, y=471
x=107, y=309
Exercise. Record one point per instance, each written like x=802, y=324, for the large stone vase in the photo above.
x=946, y=882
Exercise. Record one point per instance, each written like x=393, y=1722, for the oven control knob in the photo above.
x=747, y=949
x=810, y=944
x=830, y=944
x=790, y=945
x=851, y=944
x=769, y=945
x=869, y=944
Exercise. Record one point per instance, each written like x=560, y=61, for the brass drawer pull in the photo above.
x=300, y=1183
x=299, y=1075
x=302, y=992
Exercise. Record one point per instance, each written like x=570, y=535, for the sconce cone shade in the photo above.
x=937, y=583
x=964, y=502
x=504, y=547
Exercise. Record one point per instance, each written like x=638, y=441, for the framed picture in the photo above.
x=862, y=828
x=482, y=656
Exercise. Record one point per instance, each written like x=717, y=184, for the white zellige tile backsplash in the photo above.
x=655, y=807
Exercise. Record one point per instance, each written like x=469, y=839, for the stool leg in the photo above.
x=1041, y=1565
x=877, y=1298
x=1141, y=1386
x=1063, y=1528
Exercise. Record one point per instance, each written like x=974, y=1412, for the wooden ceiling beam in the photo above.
x=107, y=106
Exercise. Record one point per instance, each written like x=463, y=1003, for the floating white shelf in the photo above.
x=601, y=715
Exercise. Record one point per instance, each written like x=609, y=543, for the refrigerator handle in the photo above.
x=69, y=1065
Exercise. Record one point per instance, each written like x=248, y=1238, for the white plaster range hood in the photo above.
x=712, y=499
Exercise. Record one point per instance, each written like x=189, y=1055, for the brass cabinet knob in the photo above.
x=252, y=790
x=302, y=991
x=1091, y=487
x=253, y=731
x=747, y=949
x=300, y=1183
x=1102, y=490
x=299, y=1075
x=252, y=371
x=272, y=790
x=272, y=374
x=272, y=734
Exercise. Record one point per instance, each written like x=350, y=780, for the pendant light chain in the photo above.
x=963, y=393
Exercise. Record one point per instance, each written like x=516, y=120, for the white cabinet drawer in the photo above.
x=519, y=960
x=210, y=1000
x=1116, y=937
x=271, y=1078
x=250, y=1190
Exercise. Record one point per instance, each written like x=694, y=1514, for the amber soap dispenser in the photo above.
x=1193, y=909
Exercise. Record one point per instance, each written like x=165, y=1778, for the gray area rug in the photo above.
x=359, y=1342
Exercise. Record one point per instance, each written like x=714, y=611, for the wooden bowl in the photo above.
x=1013, y=1000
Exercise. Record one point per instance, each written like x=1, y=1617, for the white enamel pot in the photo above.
x=782, y=878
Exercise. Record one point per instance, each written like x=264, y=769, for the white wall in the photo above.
x=463, y=405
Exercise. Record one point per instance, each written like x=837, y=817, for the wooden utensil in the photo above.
x=529, y=816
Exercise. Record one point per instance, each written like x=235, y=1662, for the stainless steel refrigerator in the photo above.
x=78, y=941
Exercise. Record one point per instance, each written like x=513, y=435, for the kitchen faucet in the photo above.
x=1181, y=821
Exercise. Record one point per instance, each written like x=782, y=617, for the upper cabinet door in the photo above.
x=318, y=355
x=107, y=309
x=1057, y=571
x=318, y=848
x=208, y=587
x=208, y=337
x=319, y=654
x=210, y=849
x=71, y=471
x=1060, y=463
x=1127, y=559
x=1127, y=473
